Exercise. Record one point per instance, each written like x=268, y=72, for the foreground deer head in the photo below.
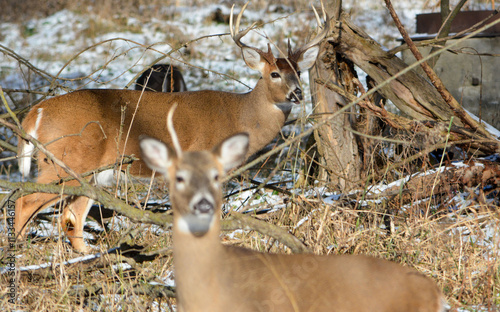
x=197, y=205
x=89, y=129
x=213, y=277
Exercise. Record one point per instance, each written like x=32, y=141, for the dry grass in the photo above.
x=459, y=250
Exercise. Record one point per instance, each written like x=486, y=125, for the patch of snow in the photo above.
x=122, y=266
x=494, y=131
x=50, y=264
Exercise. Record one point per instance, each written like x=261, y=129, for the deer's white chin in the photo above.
x=197, y=225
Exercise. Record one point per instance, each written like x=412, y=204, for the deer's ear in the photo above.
x=253, y=59
x=232, y=151
x=308, y=58
x=156, y=154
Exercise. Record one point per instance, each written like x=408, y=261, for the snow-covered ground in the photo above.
x=67, y=44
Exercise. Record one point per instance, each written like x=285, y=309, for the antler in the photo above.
x=326, y=28
x=237, y=35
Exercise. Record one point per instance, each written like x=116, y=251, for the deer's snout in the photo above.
x=296, y=95
x=201, y=216
x=203, y=206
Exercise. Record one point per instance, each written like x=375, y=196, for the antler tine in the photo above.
x=318, y=20
x=237, y=35
x=325, y=26
x=235, y=29
x=320, y=36
x=231, y=30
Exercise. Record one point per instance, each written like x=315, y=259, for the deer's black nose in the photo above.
x=296, y=95
x=204, y=206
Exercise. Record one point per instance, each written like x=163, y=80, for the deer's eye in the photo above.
x=275, y=75
x=181, y=179
x=215, y=175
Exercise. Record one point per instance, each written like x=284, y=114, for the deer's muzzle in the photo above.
x=201, y=217
x=296, y=95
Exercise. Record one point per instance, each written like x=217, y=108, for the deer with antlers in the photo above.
x=89, y=129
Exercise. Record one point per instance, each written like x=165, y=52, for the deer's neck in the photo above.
x=260, y=117
x=262, y=94
x=195, y=263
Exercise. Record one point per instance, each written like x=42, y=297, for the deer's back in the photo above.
x=95, y=123
x=271, y=282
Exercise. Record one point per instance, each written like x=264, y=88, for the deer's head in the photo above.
x=195, y=179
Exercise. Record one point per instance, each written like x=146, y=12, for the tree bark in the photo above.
x=337, y=149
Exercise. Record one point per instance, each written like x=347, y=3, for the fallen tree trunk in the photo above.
x=411, y=93
x=443, y=180
x=232, y=222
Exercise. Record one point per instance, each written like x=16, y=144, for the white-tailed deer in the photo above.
x=89, y=129
x=213, y=277
x=161, y=78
